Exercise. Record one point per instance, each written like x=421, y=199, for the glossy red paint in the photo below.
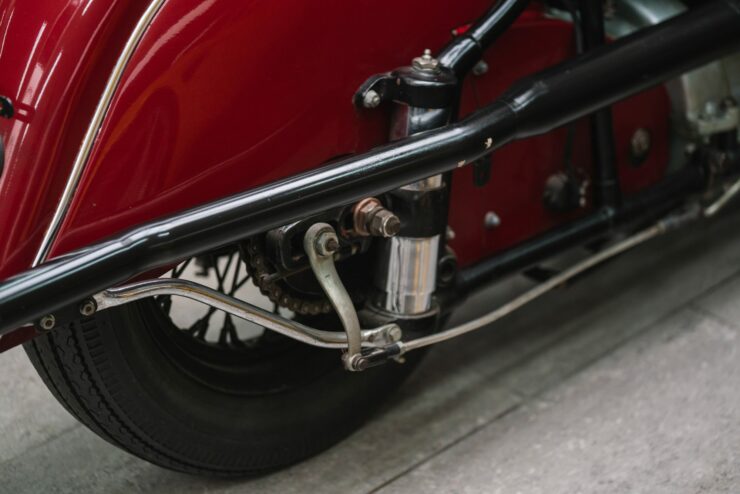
x=520, y=169
x=54, y=58
x=221, y=96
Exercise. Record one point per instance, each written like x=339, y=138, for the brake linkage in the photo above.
x=321, y=236
x=321, y=243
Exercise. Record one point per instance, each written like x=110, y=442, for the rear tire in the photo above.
x=122, y=378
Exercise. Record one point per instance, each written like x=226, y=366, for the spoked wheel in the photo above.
x=190, y=388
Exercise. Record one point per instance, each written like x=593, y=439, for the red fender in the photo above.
x=55, y=57
x=222, y=95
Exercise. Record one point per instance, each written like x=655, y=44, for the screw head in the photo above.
x=491, y=220
x=88, y=307
x=371, y=99
x=480, y=68
x=640, y=143
x=47, y=323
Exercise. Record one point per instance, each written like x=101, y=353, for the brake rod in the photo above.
x=113, y=297
x=533, y=106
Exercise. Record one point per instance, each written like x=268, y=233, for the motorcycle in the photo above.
x=233, y=228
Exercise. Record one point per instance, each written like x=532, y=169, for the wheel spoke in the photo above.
x=221, y=277
x=229, y=278
x=200, y=327
x=178, y=270
x=242, y=282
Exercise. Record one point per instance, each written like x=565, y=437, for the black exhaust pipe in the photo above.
x=533, y=106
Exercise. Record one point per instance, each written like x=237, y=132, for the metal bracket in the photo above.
x=418, y=88
x=320, y=244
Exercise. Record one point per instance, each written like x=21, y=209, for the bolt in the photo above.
x=371, y=218
x=395, y=334
x=88, y=307
x=371, y=99
x=356, y=363
x=327, y=243
x=491, y=220
x=426, y=62
x=480, y=68
x=47, y=323
x=640, y=143
x=383, y=223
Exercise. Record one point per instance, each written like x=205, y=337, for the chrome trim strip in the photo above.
x=113, y=297
x=92, y=131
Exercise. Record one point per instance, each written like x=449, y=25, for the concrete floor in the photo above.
x=626, y=381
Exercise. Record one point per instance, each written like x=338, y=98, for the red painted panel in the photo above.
x=54, y=59
x=225, y=95
x=221, y=96
x=520, y=169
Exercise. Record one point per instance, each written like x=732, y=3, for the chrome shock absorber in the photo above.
x=407, y=271
x=407, y=265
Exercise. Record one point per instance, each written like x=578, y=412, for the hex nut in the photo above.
x=426, y=62
x=371, y=218
x=383, y=223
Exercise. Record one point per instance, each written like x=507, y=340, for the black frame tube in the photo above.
x=533, y=106
x=648, y=204
x=607, y=192
x=466, y=50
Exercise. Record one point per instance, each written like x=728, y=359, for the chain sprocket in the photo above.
x=280, y=293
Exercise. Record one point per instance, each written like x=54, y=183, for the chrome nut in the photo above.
x=383, y=223
x=426, y=62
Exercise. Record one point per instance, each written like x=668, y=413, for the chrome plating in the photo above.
x=670, y=223
x=113, y=297
x=408, y=274
x=101, y=111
